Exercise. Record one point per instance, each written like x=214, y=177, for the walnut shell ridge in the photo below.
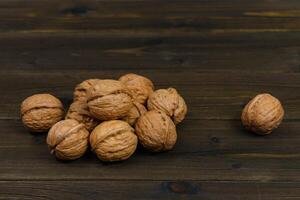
x=108, y=100
x=139, y=87
x=262, y=114
x=80, y=92
x=80, y=112
x=169, y=102
x=156, y=131
x=68, y=139
x=40, y=112
x=134, y=113
x=113, y=140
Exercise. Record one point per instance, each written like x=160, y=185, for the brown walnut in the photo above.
x=40, y=112
x=82, y=88
x=108, y=100
x=169, y=102
x=139, y=87
x=156, y=131
x=113, y=140
x=134, y=113
x=262, y=114
x=79, y=111
x=68, y=139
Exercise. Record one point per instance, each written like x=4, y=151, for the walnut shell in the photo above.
x=139, y=87
x=80, y=112
x=109, y=99
x=113, y=140
x=82, y=88
x=169, y=102
x=68, y=139
x=156, y=131
x=262, y=114
x=40, y=112
x=134, y=113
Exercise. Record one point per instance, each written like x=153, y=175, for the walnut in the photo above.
x=82, y=88
x=134, y=113
x=262, y=114
x=139, y=87
x=156, y=131
x=40, y=112
x=68, y=139
x=79, y=111
x=109, y=99
x=113, y=140
x=169, y=102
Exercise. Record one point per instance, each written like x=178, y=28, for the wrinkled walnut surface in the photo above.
x=109, y=99
x=262, y=114
x=169, y=102
x=40, y=112
x=134, y=113
x=139, y=87
x=79, y=111
x=68, y=139
x=80, y=93
x=156, y=131
x=113, y=140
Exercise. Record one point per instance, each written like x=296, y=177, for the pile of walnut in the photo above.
x=109, y=115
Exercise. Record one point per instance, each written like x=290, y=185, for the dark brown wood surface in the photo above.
x=218, y=54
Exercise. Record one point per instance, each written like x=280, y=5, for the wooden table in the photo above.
x=218, y=54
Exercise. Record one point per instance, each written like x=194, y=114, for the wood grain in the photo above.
x=137, y=14
x=148, y=190
x=218, y=54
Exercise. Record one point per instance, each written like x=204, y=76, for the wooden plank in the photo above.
x=208, y=95
x=86, y=15
x=206, y=150
x=178, y=51
x=148, y=190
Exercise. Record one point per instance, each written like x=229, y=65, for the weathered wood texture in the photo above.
x=148, y=190
x=218, y=54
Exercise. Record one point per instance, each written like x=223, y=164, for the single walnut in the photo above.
x=262, y=114
x=40, y=112
x=82, y=88
x=109, y=99
x=68, y=139
x=139, y=87
x=134, y=113
x=79, y=111
x=156, y=131
x=169, y=102
x=113, y=140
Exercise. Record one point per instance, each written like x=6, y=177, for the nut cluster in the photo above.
x=111, y=116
